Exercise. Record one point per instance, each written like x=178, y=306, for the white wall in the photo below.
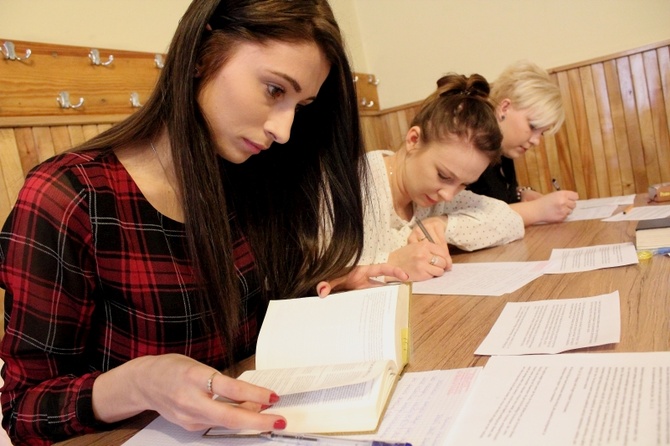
x=407, y=44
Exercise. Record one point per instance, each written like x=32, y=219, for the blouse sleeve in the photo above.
x=47, y=269
x=477, y=221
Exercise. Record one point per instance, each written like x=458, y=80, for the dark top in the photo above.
x=498, y=181
x=95, y=276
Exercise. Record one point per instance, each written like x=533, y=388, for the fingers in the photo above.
x=252, y=400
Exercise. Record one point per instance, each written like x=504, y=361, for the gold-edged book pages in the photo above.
x=334, y=361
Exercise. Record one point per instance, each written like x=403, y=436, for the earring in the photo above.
x=502, y=117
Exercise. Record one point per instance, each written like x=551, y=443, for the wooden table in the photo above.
x=446, y=330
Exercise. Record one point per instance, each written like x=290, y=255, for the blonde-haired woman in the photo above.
x=528, y=106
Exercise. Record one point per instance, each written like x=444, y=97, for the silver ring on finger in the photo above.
x=433, y=261
x=210, y=381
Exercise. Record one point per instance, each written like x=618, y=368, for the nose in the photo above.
x=278, y=125
x=447, y=194
x=535, y=138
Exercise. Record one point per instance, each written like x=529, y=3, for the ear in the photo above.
x=504, y=106
x=413, y=138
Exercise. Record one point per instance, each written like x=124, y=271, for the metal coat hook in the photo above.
x=135, y=99
x=94, y=55
x=158, y=61
x=355, y=78
x=10, y=53
x=64, y=100
x=372, y=80
x=366, y=103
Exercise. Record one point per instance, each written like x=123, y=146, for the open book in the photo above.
x=334, y=361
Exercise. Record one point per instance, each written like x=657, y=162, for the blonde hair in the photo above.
x=529, y=87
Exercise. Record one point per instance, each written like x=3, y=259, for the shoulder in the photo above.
x=67, y=175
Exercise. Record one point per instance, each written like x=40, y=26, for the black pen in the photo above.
x=555, y=183
x=424, y=230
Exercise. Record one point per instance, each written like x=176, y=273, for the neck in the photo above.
x=163, y=154
x=402, y=203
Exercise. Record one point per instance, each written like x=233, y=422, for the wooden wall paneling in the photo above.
x=659, y=121
x=76, y=133
x=570, y=130
x=619, y=131
x=89, y=131
x=61, y=138
x=606, y=132
x=558, y=143
x=25, y=143
x=632, y=125
x=11, y=173
x=641, y=95
x=664, y=69
x=103, y=127
x=596, y=155
x=43, y=142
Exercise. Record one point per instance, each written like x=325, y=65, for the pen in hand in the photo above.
x=424, y=230
x=555, y=183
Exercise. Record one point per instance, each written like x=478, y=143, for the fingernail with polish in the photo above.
x=280, y=424
x=274, y=398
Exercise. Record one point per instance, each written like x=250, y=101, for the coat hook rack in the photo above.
x=64, y=100
x=366, y=103
x=9, y=51
x=94, y=55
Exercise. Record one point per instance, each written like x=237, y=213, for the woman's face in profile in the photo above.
x=252, y=100
x=519, y=134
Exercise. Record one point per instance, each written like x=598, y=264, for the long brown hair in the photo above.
x=300, y=204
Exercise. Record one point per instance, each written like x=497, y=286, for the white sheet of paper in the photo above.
x=482, y=279
x=425, y=406
x=589, y=258
x=569, y=399
x=598, y=208
x=554, y=326
x=591, y=213
x=642, y=213
x=621, y=200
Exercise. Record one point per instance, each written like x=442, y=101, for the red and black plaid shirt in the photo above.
x=95, y=276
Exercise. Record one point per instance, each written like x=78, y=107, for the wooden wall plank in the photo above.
x=661, y=139
x=644, y=118
x=25, y=144
x=606, y=131
x=61, y=138
x=596, y=154
x=577, y=142
x=620, y=133
x=635, y=146
x=11, y=172
x=664, y=69
x=44, y=142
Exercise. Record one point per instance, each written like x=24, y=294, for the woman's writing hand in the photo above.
x=422, y=260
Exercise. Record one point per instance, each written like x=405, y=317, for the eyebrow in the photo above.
x=294, y=83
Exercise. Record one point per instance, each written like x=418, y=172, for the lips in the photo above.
x=253, y=147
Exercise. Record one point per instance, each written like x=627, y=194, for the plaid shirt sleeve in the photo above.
x=47, y=272
x=94, y=277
